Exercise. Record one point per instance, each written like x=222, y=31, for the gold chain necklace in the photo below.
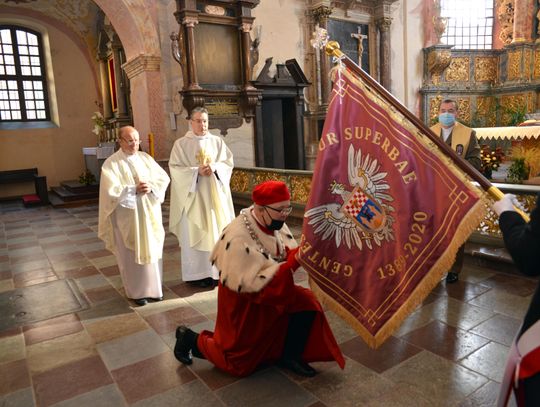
x=262, y=249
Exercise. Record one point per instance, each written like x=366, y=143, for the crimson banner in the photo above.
x=386, y=214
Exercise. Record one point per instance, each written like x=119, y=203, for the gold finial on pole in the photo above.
x=332, y=49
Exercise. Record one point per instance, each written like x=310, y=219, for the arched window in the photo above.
x=23, y=87
x=470, y=23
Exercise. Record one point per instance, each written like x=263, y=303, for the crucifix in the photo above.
x=360, y=37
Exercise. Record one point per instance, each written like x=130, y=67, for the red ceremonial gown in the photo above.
x=251, y=326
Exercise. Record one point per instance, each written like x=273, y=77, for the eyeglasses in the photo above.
x=283, y=211
x=130, y=142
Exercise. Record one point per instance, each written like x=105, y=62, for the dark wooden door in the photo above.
x=280, y=135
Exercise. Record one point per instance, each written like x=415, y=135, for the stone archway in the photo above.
x=137, y=30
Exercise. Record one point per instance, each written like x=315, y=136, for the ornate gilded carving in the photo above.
x=537, y=63
x=527, y=59
x=485, y=110
x=531, y=107
x=244, y=179
x=240, y=181
x=261, y=176
x=190, y=21
x=439, y=22
x=434, y=107
x=464, y=110
x=438, y=60
x=439, y=26
x=300, y=188
x=486, y=69
x=321, y=14
x=215, y=10
x=505, y=15
x=490, y=224
x=458, y=71
x=512, y=103
x=383, y=24
x=514, y=64
x=245, y=27
x=222, y=107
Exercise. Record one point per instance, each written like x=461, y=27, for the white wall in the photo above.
x=407, y=37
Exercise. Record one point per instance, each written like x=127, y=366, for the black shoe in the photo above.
x=203, y=283
x=141, y=301
x=155, y=299
x=298, y=367
x=452, y=277
x=182, y=348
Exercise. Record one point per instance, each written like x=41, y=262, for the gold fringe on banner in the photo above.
x=434, y=276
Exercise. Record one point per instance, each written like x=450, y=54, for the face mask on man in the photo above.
x=447, y=119
x=275, y=224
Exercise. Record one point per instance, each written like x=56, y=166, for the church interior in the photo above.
x=73, y=72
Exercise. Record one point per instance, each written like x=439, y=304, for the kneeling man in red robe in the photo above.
x=263, y=316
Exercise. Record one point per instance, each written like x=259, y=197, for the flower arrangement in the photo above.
x=99, y=124
x=491, y=159
x=87, y=178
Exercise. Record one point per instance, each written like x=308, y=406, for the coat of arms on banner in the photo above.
x=363, y=216
x=365, y=211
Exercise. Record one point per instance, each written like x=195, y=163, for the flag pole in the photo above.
x=332, y=49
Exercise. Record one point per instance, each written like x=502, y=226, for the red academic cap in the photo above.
x=270, y=192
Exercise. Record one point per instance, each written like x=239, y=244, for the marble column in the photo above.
x=193, y=80
x=383, y=24
x=321, y=15
x=245, y=29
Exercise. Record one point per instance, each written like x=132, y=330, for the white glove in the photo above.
x=507, y=203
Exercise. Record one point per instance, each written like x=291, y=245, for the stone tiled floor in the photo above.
x=449, y=352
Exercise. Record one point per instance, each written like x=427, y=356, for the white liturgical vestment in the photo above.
x=130, y=224
x=201, y=206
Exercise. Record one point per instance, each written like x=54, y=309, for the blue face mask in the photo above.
x=447, y=119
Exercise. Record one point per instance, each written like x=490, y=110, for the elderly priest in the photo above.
x=132, y=188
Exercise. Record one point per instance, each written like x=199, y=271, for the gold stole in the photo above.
x=460, y=135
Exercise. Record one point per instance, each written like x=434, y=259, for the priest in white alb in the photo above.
x=201, y=165
x=131, y=191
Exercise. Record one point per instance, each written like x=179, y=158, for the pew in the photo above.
x=41, y=196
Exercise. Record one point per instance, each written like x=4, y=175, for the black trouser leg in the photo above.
x=194, y=349
x=460, y=257
x=297, y=334
x=531, y=392
x=191, y=339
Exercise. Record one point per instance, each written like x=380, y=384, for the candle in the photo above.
x=151, y=144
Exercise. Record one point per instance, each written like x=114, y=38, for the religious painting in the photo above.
x=217, y=52
x=112, y=84
x=353, y=40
